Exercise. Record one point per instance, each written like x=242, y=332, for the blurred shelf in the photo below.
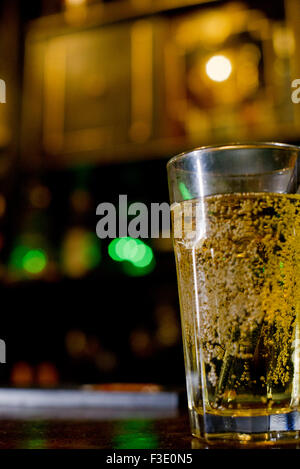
x=138, y=90
x=101, y=14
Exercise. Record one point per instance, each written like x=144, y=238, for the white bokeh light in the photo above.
x=218, y=68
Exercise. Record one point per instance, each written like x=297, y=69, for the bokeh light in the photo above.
x=120, y=245
x=137, y=256
x=34, y=261
x=112, y=250
x=218, y=68
x=27, y=260
x=81, y=252
x=47, y=374
x=22, y=374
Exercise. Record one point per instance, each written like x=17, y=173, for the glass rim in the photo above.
x=231, y=146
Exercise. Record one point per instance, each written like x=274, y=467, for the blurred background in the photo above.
x=99, y=95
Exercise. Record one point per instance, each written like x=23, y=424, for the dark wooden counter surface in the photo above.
x=165, y=433
x=170, y=433
x=28, y=426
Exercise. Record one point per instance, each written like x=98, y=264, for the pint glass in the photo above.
x=236, y=233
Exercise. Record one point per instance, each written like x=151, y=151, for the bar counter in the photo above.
x=41, y=433
x=34, y=419
x=84, y=419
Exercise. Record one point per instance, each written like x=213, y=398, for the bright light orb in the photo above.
x=139, y=256
x=34, y=261
x=218, y=68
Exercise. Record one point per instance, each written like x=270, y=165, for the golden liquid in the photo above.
x=238, y=265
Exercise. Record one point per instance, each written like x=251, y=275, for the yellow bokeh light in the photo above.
x=218, y=68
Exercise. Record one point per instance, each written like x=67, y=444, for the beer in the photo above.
x=238, y=266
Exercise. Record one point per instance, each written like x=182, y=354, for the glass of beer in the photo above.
x=236, y=233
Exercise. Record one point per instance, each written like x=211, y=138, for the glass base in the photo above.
x=253, y=430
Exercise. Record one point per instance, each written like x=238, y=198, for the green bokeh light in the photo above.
x=120, y=245
x=34, y=261
x=130, y=249
x=140, y=253
x=146, y=259
x=112, y=250
x=138, y=256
